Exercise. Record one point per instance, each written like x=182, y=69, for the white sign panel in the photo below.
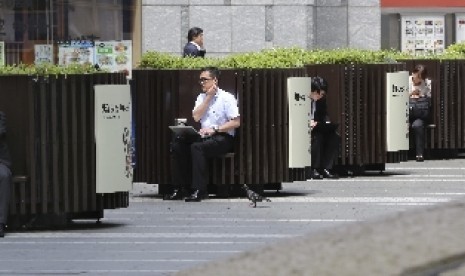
x=114, y=56
x=43, y=53
x=298, y=90
x=460, y=27
x=72, y=52
x=397, y=111
x=422, y=35
x=113, y=138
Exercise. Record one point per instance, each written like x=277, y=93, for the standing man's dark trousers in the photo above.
x=5, y=186
x=325, y=149
x=189, y=165
x=418, y=126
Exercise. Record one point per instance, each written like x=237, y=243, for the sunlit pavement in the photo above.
x=157, y=237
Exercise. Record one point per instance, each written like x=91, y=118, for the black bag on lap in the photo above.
x=419, y=108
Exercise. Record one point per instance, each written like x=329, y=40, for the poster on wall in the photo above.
x=460, y=27
x=2, y=53
x=422, y=35
x=76, y=51
x=43, y=53
x=114, y=56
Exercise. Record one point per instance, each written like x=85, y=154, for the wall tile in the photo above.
x=216, y=24
x=331, y=27
x=161, y=29
x=290, y=26
x=248, y=28
x=364, y=28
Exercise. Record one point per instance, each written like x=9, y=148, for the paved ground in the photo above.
x=156, y=237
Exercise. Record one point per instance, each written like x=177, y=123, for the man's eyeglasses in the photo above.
x=202, y=80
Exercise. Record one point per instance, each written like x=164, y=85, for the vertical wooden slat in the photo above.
x=84, y=129
x=91, y=165
x=65, y=156
x=264, y=115
x=74, y=149
x=43, y=184
x=57, y=200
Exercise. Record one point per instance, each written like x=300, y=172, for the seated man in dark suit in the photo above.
x=5, y=175
x=194, y=48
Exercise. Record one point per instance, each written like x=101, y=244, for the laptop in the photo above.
x=184, y=130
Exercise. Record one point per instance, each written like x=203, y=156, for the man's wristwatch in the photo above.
x=216, y=129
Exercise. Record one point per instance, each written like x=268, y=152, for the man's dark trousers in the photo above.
x=324, y=149
x=190, y=159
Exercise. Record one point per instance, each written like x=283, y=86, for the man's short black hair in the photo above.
x=193, y=32
x=214, y=72
x=318, y=84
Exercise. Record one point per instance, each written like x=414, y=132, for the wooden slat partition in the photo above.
x=447, y=99
x=261, y=152
x=357, y=100
x=51, y=138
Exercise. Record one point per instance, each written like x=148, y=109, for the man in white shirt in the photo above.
x=218, y=113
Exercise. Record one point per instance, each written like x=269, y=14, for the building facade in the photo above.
x=230, y=26
x=236, y=26
x=26, y=23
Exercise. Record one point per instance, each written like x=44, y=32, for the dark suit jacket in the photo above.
x=5, y=157
x=191, y=50
x=320, y=116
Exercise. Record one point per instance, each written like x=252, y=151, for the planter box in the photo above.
x=51, y=139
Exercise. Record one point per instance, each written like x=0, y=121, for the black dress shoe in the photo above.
x=420, y=158
x=327, y=174
x=316, y=175
x=2, y=230
x=196, y=196
x=175, y=195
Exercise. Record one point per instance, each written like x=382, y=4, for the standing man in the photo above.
x=194, y=48
x=325, y=139
x=5, y=175
x=218, y=114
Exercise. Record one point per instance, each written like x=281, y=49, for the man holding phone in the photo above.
x=218, y=114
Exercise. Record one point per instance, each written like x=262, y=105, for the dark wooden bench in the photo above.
x=18, y=193
x=222, y=174
x=429, y=135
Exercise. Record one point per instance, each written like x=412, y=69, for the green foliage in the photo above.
x=456, y=51
x=47, y=69
x=159, y=60
x=289, y=58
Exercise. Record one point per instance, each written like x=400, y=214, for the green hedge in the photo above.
x=47, y=69
x=289, y=58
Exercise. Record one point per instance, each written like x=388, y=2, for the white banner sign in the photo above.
x=113, y=138
x=76, y=52
x=397, y=111
x=459, y=27
x=298, y=90
x=43, y=53
x=422, y=35
x=114, y=56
